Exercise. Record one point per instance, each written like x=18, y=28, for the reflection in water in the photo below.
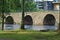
x=30, y=27
x=8, y=26
x=11, y=26
x=28, y=22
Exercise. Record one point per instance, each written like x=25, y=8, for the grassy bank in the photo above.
x=29, y=35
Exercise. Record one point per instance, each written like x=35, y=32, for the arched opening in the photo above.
x=28, y=20
x=9, y=23
x=49, y=20
x=9, y=20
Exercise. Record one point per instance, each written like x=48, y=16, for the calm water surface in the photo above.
x=28, y=27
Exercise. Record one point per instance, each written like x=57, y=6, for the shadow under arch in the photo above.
x=9, y=20
x=28, y=20
x=49, y=20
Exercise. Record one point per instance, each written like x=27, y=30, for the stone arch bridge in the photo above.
x=37, y=18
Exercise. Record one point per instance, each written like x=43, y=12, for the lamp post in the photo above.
x=2, y=14
x=22, y=25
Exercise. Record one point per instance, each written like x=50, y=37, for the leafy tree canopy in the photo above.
x=15, y=5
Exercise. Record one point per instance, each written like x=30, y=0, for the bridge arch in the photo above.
x=9, y=20
x=28, y=20
x=49, y=19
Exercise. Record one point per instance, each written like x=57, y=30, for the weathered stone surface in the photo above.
x=37, y=17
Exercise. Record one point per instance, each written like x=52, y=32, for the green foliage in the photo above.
x=30, y=6
x=0, y=6
x=10, y=5
x=15, y=5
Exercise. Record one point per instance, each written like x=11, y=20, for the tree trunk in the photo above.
x=3, y=15
x=22, y=25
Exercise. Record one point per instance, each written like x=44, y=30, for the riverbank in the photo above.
x=29, y=35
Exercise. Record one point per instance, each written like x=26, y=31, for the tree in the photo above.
x=7, y=6
x=22, y=23
x=2, y=10
x=30, y=5
x=27, y=6
x=15, y=5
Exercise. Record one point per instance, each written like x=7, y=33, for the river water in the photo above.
x=28, y=27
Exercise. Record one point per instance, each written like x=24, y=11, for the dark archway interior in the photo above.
x=28, y=20
x=49, y=20
x=9, y=20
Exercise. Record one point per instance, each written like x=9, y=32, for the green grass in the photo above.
x=29, y=35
